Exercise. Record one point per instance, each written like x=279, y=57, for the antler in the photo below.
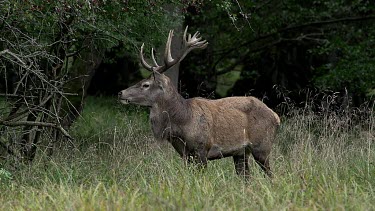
x=189, y=44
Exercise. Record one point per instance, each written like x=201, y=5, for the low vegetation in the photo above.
x=320, y=162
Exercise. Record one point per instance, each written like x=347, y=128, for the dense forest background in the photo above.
x=55, y=53
x=275, y=50
x=254, y=45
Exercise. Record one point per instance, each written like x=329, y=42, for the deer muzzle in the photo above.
x=122, y=98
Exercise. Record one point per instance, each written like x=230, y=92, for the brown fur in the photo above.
x=201, y=129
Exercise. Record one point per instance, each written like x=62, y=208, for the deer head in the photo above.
x=158, y=86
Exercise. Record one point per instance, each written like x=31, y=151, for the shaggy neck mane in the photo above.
x=169, y=113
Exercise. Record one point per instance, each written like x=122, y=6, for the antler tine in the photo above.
x=168, y=55
x=153, y=58
x=189, y=42
x=196, y=42
x=143, y=61
x=196, y=34
x=184, y=37
x=192, y=43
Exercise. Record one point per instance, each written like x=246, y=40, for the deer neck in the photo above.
x=168, y=114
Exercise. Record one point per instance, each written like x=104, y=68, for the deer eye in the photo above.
x=145, y=85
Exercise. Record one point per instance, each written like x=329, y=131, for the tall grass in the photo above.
x=319, y=163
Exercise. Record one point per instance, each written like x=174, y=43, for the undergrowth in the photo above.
x=320, y=162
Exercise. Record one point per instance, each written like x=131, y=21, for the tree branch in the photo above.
x=15, y=95
x=19, y=114
x=326, y=22
x=41, y=124
x=7, y=51
x=291, y=28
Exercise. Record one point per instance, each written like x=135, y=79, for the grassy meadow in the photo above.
x=320, y=162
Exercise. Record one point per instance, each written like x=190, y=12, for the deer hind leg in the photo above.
x=241, y=164
x=262, y=159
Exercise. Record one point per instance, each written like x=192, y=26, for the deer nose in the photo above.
x=119, y=94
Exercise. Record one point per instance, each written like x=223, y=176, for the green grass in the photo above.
x=115, y=164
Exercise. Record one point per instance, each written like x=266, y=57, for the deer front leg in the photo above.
x=201, y=156
x=180, y=146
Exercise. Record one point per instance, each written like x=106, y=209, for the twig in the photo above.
x=75, y=78
x=7, y=51
x=291, y=28
x=15, y=115
x=16, y=95
x=31, y=123
x=244, y=15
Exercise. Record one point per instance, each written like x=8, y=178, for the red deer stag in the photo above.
x=202, y=129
